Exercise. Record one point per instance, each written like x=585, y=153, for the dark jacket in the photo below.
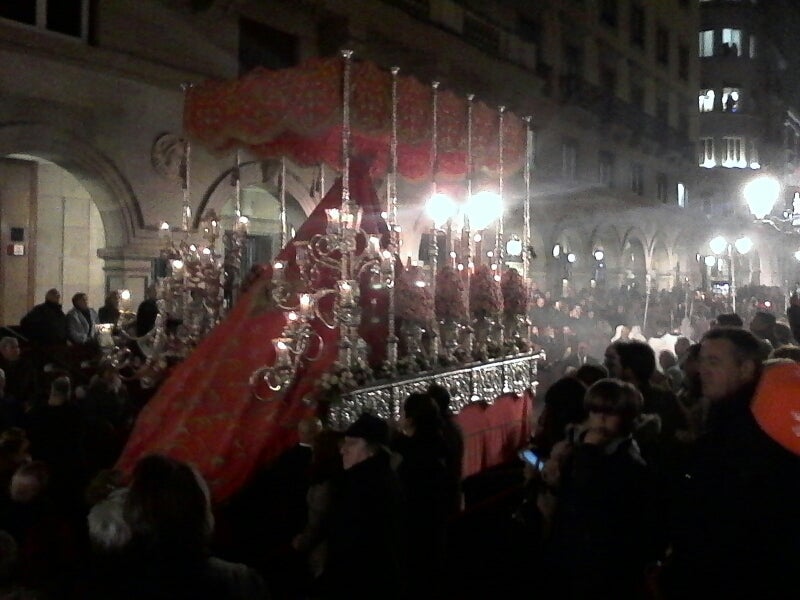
x=426, y=480
x=365, y=535
x=596, y=546
x=737, y=529
x=45, y=324
x=203, y=579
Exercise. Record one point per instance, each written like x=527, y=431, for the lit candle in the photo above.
x=453, y=256
x=334, y=220
x=292, y=316
x=177, y=269
x=163, y=231
x=346, y=292
x=281, y=345
x=347, y=220
x=277, y=272
x=306, y=305
x=374, y=245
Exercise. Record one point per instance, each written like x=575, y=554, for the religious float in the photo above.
x=337, y=324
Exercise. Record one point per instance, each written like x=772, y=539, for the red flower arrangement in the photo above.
x=450, y=302
x=515, y=293
x=413, y=301
x=485, y=298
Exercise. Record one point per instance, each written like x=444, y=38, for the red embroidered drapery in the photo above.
x=297, y=113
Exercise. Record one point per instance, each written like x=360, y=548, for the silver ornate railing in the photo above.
x=482, y=382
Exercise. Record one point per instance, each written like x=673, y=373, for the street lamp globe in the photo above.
x=514, y=246
x=483, y=209
x=718, y=245
x=743, y=245
x=761, y=195
x=710, y=261
x=440, y=208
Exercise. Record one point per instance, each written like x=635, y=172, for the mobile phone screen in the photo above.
x=530, y=457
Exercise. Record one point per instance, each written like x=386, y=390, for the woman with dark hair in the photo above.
x=424, y=474
x=169, y=515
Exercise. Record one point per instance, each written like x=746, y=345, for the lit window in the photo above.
x=706, y=100
x=752, y=46
x=707, y=153
x=682, y=195
x=731, y=42
x=706, y=43
x=734, y=156
x=731, y=99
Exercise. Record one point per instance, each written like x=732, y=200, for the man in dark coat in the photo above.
x=46, y=324
x=365, y=533
x=736, y=533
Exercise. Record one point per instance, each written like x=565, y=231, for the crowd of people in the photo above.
x=649, y=474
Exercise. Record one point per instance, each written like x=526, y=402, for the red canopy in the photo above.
x=297, y=113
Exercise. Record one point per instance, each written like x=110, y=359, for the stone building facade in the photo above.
x=90, y=123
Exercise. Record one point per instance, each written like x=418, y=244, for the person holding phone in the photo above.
x=596, y=540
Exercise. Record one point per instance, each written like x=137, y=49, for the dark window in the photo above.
x=573, y=61
x=637, y=96
x=662, y=45
x=662, y=109
x=683, y=62
x=65, y=16
x=662, y=188
x=530, y=30
x=569, y=159
x=263, y=46
x=608, y=80
x=637, y=179
x=637, y=25
x=22, y=11
x=608, y=12
x=605, y=168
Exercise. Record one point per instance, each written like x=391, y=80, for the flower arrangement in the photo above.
x=341, y=380
x=485, y=298
x=450, y=303
x=515, y=293
x=413, y=298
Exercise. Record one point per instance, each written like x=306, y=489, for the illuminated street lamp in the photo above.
x=761, y=195
x=720, y=245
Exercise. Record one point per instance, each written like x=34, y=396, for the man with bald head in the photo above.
x=46, y=323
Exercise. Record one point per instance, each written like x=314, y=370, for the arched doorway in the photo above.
x=260, y=203
x=634, y=262
x=65, y=206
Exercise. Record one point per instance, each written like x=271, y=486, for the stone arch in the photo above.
x=110, y=190
x=564, y=276
x=635, y=263
x=661, y=265
x=606, y=238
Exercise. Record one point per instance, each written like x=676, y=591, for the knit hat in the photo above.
x=776, y=406
x=370, y=428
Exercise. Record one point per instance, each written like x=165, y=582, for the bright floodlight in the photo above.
x=441, y=208
x=743, y=245
x=483, y=209
x=718, y=244
x=125, y=295
x=761, y=195
x=710, y=261
x=514, y=246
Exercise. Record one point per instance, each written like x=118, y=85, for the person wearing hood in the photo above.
x=46, y=324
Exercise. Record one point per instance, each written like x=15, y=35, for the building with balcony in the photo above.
x=91, y=116
x=748, y=121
